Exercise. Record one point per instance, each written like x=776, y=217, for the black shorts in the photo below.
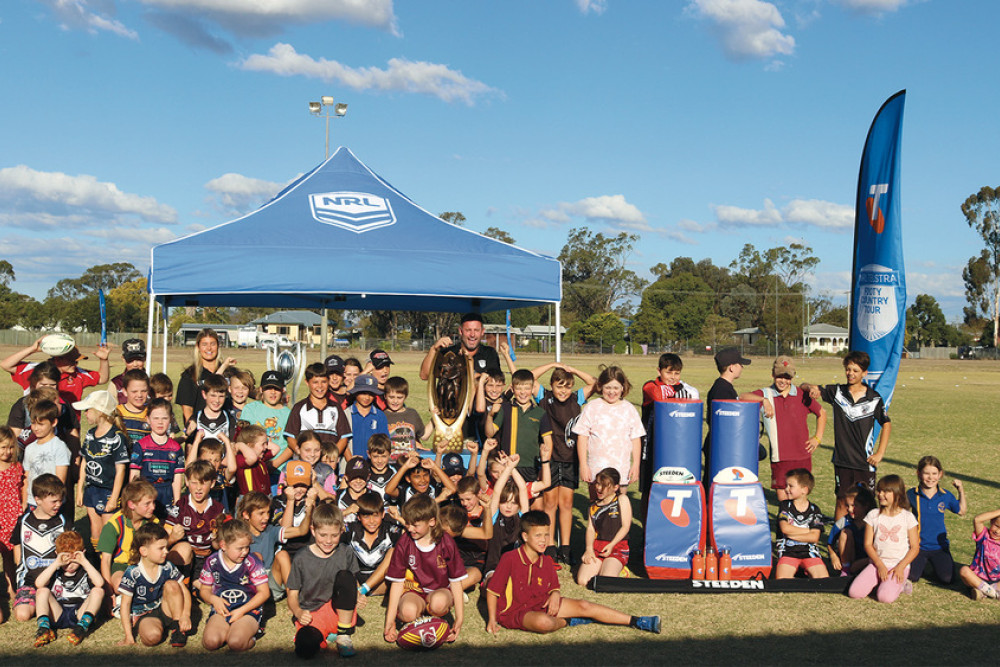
x=565, y=474
x=158, y=614
x=846, y=478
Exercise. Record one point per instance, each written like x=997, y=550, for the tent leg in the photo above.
x=556, y=332
x=166, y=322
x=149, y=330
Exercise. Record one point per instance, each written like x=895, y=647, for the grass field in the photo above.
x=945, y=408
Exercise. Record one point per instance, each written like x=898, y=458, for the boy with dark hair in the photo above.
x=373, y=537
x=522, y=425
x=253, y=453
x=322, y=587
x=255, y=509
x=856, y=409
x=379, y=366
x=73, y=379
x=380, y=469
x=406, y=427
x=729, y=363
x=215, y=420
x=365, y=418
x=337, y=391
x=417, y=474
x=34, y=540
x=523, y=593
x=317, y=412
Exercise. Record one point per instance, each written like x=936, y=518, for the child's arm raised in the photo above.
x=505, y=351
x=412, y=461
x=545, y=454
x=982, y=520
x=10, y=363
x=523, y=499
x=962, y=505
x=449, y=486
x=45, y=576
x=96, y=580
x=480, y=405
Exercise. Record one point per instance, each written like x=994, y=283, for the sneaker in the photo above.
x=261, y=631
x=345, y=647
x=44, y=636
x=649, y=624
x=116, y=608
x=908, y=587
x=76, y=635
x=465, y=597
x=989, y=591
x=178, y=639
x=565, y=555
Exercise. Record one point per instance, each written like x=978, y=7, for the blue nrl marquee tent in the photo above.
x=341, y=237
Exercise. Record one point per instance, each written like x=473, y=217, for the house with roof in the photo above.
x=296, y=325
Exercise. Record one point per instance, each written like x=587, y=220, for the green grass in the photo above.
x=945, y=408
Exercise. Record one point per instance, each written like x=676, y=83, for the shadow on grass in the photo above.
x=993, y=484
x=952, y=645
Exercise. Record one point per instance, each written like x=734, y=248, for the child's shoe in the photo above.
x=76, y=635
x=649, y=624
x=989, y=591
x=44, y=636
x=178, y=639
x=908, y=587
x=345, y=646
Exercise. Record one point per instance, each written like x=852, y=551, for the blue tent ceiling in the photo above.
x=341, y=237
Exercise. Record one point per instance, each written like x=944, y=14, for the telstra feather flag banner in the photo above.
x=878, y=283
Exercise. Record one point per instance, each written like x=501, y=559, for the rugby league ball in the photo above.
x=423, y=634
x=57, y=344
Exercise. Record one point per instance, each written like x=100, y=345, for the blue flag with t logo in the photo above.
x=878, y=282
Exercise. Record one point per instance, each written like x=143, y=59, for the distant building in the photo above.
x=825, y=338
x=228, y=333
x=297, y=325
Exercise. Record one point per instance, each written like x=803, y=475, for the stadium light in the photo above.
x=339, y=111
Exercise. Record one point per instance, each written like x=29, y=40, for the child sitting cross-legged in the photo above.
x=523, y=593
x=373, y=536
x=800, y=526
x=69, y=593
x=255, y=510
x=234, y=582
x=193, y=521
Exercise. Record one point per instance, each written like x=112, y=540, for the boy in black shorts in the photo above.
x=856, y=409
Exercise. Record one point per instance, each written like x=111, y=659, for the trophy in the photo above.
x=288, y=359
x=451, y=390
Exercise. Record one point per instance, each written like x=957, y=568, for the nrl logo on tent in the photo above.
x=356, y=211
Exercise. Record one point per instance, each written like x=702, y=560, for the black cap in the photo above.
x=271, y=379
x=357, y=468
x=134, y=348
x=728, y=356
x=380, y=359
x=452, y=464
x=334, y=364
x=471, y=317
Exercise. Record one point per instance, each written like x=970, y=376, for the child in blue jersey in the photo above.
x=105, y=463
x=929, y=502
x=154, y=601
x=234, y=583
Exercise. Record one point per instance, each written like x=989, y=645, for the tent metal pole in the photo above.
x=324, y=322
x=166, y=323
x=557, y=332
x=149, y=330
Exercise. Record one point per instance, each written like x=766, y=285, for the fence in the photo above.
x=24, y=338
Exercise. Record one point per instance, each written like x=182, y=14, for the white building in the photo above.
x=825, y=338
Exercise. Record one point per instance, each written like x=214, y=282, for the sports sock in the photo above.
x=634, y=622
x=343, y=629
x=86, y=620
x=44, y=622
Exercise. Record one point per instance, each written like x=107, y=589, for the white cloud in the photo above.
x=595, y=6
x=77, y=15
x=810, y=212
x=747, y=29
x=692, y=226
x=610, y=209
x=401, y=75
x=872, y=6
x=819, y=213
x=269, y=16
x=51, y=196
x=239, y=194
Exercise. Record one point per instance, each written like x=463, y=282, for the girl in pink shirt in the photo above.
x=609, y=431
x=892, y=541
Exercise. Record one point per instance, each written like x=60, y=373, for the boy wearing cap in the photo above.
x=73, y=379
x=379, y=366
x=356, y=474
x=335, y=374
x=785, y=412
x=729, y=363
x=271, y=414
x=365, y=418
x=134, y=354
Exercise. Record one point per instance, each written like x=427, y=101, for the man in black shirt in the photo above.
x=484, y=357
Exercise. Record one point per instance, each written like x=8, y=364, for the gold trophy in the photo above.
x=450, y=393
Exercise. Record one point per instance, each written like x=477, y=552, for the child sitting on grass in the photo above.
x=892, y=541
x=154, y=601
x=70, y=591
x=524, y=591
x=115, y=543
x=847, y=537
x=234, y=583
x=983, y=575
x=34, y=540
x=608, y=523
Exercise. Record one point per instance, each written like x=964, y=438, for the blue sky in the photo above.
x=701, y=125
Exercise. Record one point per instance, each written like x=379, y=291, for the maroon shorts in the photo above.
x=514, y=618
x=619, y=553
x=781, y=468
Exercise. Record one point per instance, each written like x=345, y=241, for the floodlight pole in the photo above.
x=339, y=111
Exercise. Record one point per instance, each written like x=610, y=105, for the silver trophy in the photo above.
x=288, y=359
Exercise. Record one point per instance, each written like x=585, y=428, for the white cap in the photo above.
x=101, y=400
